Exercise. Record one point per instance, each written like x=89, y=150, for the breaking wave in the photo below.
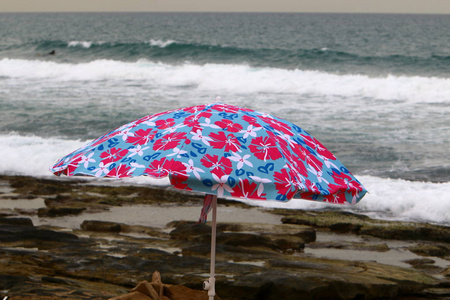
x=233, y=78
x=394, y=199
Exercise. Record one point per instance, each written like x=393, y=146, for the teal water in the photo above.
x=375, y=89
x=339, y=43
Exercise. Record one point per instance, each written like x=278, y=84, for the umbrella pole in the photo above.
x=210, y=284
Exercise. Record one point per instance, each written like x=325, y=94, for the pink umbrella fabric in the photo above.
x=220, y=150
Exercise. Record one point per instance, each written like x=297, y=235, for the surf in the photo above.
x=230, y=79
x=389, y=199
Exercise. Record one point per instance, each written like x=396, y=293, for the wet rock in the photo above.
x=179, y=292
x=11, y=234
x=419, y=261
x=350, y=245
x=57, y=280
x=426, y=265
x=59, y=211
x=436, y=293
x=114, y=227
x=321, y=219
x=201, y=233
x=244, y=240
x=345, y=227
x=254, y=261
x=288, y=243
x=363, y=225
x=281, y=285
x=408, y=231
x=295, y=264
x=17, y=221
x=100, y=226
x=446, y=272
x=37, y=186
x=186, y=231
x=283, y=276
x=237, y=253
x=438, y=250
x=306, y=233
x=7, y=282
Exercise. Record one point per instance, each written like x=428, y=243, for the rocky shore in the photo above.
x=77, y=239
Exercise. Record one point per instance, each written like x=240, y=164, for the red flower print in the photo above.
x=72, y=166
x=141, y=137
x=299, y=151
x=226, y=108
x=119, y=171
x=285, y=183
x=59, y=166
x=314, y=162
x=156, y=169
x=307, y=195
x=251, y=120
x=169, y=141
x=112, y=155
x=220, y=141
x=193, y=121
x=247, y=110
x=265, y=148
x=303, y=156
x=283, y=145
x=248, y=190
x=336, y=198
x=178, y=181
x=299, y=167
x=163, y=124
x=229, y=125
x=104, y=138
x=176, y=167
x=148, y=120
x=311, y=187
x=345, y=182
x=162, y=168
x=219, y=167
x=316, y=145
x=204, y=114
x=277, y=125
x=194, y=109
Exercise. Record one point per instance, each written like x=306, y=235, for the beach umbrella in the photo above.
x=219, y=150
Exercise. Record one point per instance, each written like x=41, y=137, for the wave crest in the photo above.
x=233, y=78
x=31, y=155
x=287, y=57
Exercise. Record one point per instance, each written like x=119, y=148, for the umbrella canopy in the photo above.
x=219, y=149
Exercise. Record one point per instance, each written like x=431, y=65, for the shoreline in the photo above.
x=410, y=207
x=108, y=216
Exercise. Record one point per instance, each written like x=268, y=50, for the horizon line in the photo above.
x=234, y=12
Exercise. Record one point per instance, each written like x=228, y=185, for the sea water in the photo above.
x=374, y=89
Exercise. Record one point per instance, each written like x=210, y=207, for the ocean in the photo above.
x=374, y=89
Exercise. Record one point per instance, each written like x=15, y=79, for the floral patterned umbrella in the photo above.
x=221, y=150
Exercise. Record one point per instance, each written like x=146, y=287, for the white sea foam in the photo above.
x=387, y=199
x=84, y=44
x=392, y=199
x=34, y=156
x=31, y=155
x=230, y=79
x=161, y=43
x=88, y=44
